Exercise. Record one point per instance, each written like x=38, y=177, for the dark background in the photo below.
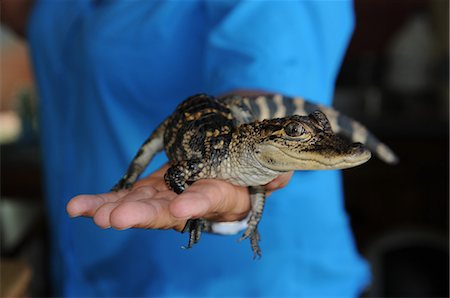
x=394, y=79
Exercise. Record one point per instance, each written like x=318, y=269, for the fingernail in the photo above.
x=76, y=215
x=123, y=229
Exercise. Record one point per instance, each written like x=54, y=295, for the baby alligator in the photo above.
x=249, y=141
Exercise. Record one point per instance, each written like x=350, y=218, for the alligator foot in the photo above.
x=252, y=233
x=195, y=228
x=122, y=184
x=254, y=239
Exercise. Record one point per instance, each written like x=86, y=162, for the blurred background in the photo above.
x=394, y=79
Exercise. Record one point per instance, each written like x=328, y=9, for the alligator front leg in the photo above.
x=195, y=228
x=257, y=197
x=178, y=178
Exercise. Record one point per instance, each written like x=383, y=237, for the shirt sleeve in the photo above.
x=290, y=47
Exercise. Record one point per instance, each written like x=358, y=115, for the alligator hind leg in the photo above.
x=151, y=146
x=258, y=197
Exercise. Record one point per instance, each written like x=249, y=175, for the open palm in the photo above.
x=151, y=205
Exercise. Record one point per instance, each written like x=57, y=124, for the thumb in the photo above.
x=279, y=182
x=212, y=199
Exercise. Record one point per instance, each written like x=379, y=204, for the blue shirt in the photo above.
x=109, y=71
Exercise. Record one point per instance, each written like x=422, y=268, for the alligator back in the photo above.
x=200, y=129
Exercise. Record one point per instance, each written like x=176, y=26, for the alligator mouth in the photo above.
x=282, y=159
x=315, y=160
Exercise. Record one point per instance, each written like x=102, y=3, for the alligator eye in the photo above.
x=294, y=129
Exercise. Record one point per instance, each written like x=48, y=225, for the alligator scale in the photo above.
x=249, y=141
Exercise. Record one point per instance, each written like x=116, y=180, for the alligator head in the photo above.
x=305, y=143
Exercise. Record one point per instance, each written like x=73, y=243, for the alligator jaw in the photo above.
x=281, y=160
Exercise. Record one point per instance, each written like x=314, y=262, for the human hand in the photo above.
x=151, y=205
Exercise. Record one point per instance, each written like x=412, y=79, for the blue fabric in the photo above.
x=109, y=71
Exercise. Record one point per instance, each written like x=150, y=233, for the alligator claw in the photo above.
x=254, y=239
x=195, y=228
x=122, y=184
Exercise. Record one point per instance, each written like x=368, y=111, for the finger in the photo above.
x=212, y=199
x=156, y=180
x=279, y=182
x=133, y=214
x=102, y=215
x=87, y=205
x=150, y=214
x=140, y=192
